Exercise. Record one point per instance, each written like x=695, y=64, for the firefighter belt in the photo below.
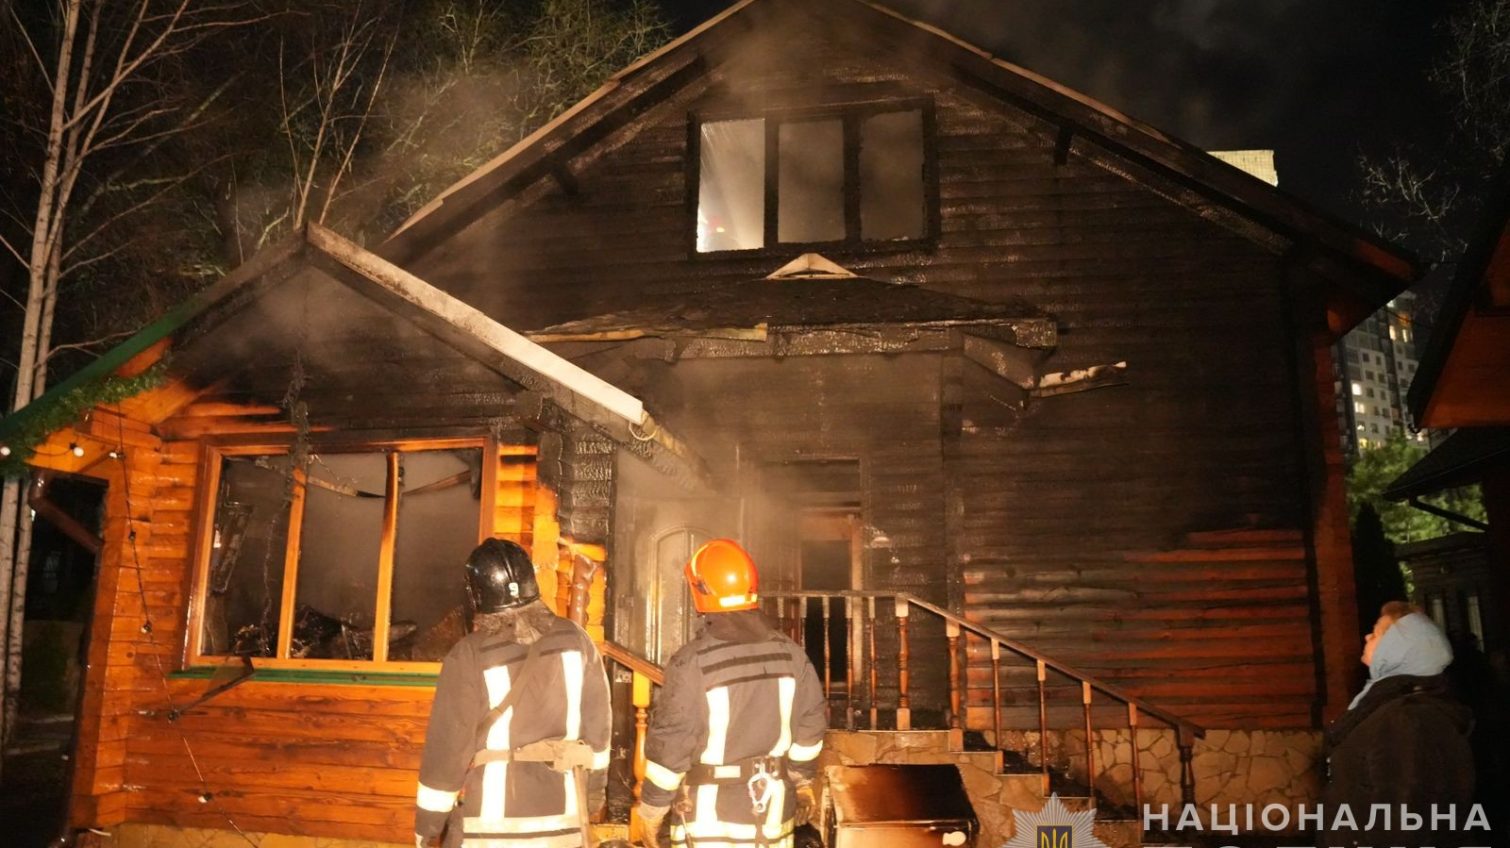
x=562, y=755
x=741, y=771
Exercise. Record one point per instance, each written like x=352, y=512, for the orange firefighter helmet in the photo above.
x=723, y=577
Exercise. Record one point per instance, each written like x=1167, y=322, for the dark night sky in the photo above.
x=1318, y=81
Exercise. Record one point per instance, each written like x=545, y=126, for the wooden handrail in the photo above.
x=1115, y=692
x=957, y=627
x=634, y=662
x=643, y=674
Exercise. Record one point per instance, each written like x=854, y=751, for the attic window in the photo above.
x=811, y=178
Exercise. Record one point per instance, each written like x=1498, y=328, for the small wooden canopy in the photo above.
x=365, y=344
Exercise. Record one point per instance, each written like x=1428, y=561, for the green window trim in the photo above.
x=315, y=676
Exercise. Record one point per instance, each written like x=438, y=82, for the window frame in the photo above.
x=211, y=461
x=851, y=114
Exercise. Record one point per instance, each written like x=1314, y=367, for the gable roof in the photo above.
x=425, y=312
x=1367, y=270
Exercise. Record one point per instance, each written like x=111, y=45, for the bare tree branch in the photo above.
x=31, y=46
x=92, y=343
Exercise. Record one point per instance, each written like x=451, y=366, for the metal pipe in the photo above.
x=36, y=498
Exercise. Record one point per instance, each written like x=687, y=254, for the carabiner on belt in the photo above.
x=761, y=784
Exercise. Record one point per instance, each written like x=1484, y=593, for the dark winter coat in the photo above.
x=1405, y=744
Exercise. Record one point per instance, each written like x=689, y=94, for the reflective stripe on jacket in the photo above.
x=512, y=804
x=728, y=701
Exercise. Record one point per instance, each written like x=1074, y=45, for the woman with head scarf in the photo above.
x=1403, y=742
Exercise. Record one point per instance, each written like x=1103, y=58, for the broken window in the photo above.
x=437, y=529
x=810, y=192
x=851, y=175
x=731, y=186
x=355, y=549
x=244, y=587
x=892, y=202
x=340, y=542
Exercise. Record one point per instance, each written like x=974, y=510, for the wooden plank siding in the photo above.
x=1049, y=511
x=302, y=757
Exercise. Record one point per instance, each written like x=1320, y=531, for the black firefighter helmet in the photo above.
x=500, y=577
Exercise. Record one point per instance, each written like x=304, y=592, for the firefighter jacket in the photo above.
x=737, y=692
x=510, y=804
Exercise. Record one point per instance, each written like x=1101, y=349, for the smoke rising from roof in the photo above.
x=1318, y=82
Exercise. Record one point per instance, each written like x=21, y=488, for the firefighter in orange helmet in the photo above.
x=736, y=730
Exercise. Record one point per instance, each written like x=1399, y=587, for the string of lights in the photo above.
x=206, y=796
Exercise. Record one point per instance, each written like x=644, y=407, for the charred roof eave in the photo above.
x=775, y=339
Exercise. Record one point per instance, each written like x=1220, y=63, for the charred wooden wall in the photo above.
x=1076, y=528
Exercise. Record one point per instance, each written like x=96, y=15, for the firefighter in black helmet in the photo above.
x=736, y=731
x=517, y=748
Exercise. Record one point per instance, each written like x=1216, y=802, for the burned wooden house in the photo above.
x=1023, y=406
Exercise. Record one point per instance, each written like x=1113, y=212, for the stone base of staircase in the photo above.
x=993, y=793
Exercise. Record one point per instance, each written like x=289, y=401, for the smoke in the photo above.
x=1317, y=82
x=1215, y=72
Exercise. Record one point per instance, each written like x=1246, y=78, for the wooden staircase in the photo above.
x=874, y=723
x=998, y=782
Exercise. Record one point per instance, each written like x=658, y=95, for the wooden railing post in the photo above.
x=951, y=630
x=852, y=661
x=1137, y=776
x=1090, y=742
x=1043, y=723
x=640, y=698
x=870, y=618
x=828, y=667
x=1186, y=739
x=996, y=692
x=904, y=704
x=860, y=647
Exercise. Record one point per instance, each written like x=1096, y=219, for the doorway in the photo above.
x=830, y=561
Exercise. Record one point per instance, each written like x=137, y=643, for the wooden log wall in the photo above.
x=319, y=755
x=1056, y=518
